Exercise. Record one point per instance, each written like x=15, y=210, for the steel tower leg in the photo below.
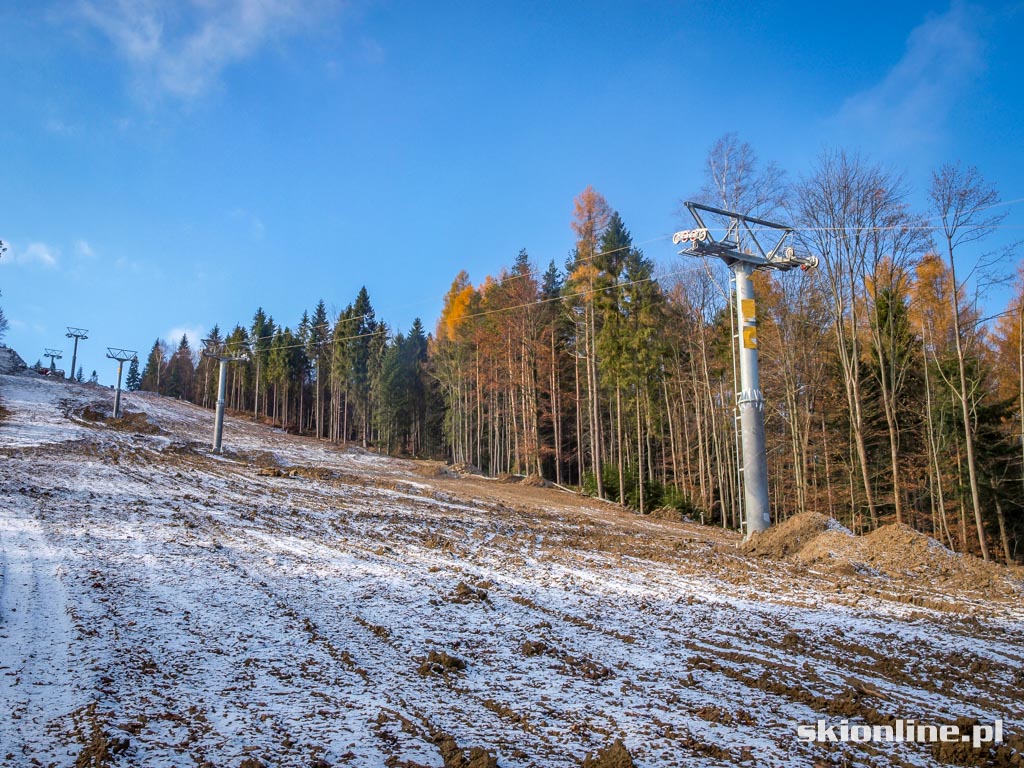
x=218, y=427
x=751, y=406
x=117, y=392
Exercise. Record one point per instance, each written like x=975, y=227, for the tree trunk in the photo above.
x=618, y=444
x=972, y=471
x=1002, y=530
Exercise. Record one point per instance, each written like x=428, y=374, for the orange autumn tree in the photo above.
x=591, y=214
x=451, y=351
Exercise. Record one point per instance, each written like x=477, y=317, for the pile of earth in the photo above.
x=894, y=550
x=128, y=421
x=783, y=541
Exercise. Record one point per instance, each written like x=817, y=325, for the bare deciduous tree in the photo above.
x=963, y=201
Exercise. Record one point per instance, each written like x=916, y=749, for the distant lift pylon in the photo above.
x=224, y=354
x=740, y=230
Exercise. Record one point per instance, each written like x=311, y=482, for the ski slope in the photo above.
x=278, y=605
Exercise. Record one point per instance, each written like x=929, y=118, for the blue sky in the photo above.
x=169, y=166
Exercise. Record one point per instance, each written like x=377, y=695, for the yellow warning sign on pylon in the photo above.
x=750, y=337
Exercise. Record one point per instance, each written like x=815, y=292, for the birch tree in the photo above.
x=963, y=201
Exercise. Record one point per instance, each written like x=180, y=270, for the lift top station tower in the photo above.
x=747, y=245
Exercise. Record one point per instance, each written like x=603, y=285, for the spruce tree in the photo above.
x=153, y=379
x=134, y=379
x=181, y=371
x=362, y=365
x=262, y=332
x=317, y=352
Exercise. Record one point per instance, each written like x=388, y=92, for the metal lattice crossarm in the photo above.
x=54, y=354
x=769, y=254
x=221, y=350
x=121, y=355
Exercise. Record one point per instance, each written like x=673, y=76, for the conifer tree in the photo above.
x=133, y=380
x=181, y=371
x=318, y=354
x=152, y=375
x=361, y=347
x=262, y=332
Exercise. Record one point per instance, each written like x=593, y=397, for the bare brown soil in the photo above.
x=892, y=551
x=615, y=755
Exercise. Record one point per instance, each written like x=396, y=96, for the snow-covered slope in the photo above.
x=163, y=606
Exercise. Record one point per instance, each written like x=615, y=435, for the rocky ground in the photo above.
x=291, y=603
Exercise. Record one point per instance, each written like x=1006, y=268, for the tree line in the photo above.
x=889, y=397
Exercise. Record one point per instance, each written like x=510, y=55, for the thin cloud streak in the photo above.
x=34, y=253
x=911, y=104
x=181, y=49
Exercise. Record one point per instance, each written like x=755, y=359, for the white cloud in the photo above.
x=83, y=249
x=911, y=103
x=181, y=48
x=34, y=253
x=194, y=334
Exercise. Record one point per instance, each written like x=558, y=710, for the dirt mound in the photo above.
x=135, y=422
x=129, y=421
x=455, y=756
x=431, y=469
x=535, y=481
x=440, y=663
x=313, y=473
x=272, y=472
x=671, y=514
x=615, y=755
x=93, y=413
x=785, y=540
x=437, y=469
x=466, y=594
x=831, y=548
x=899, y=551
